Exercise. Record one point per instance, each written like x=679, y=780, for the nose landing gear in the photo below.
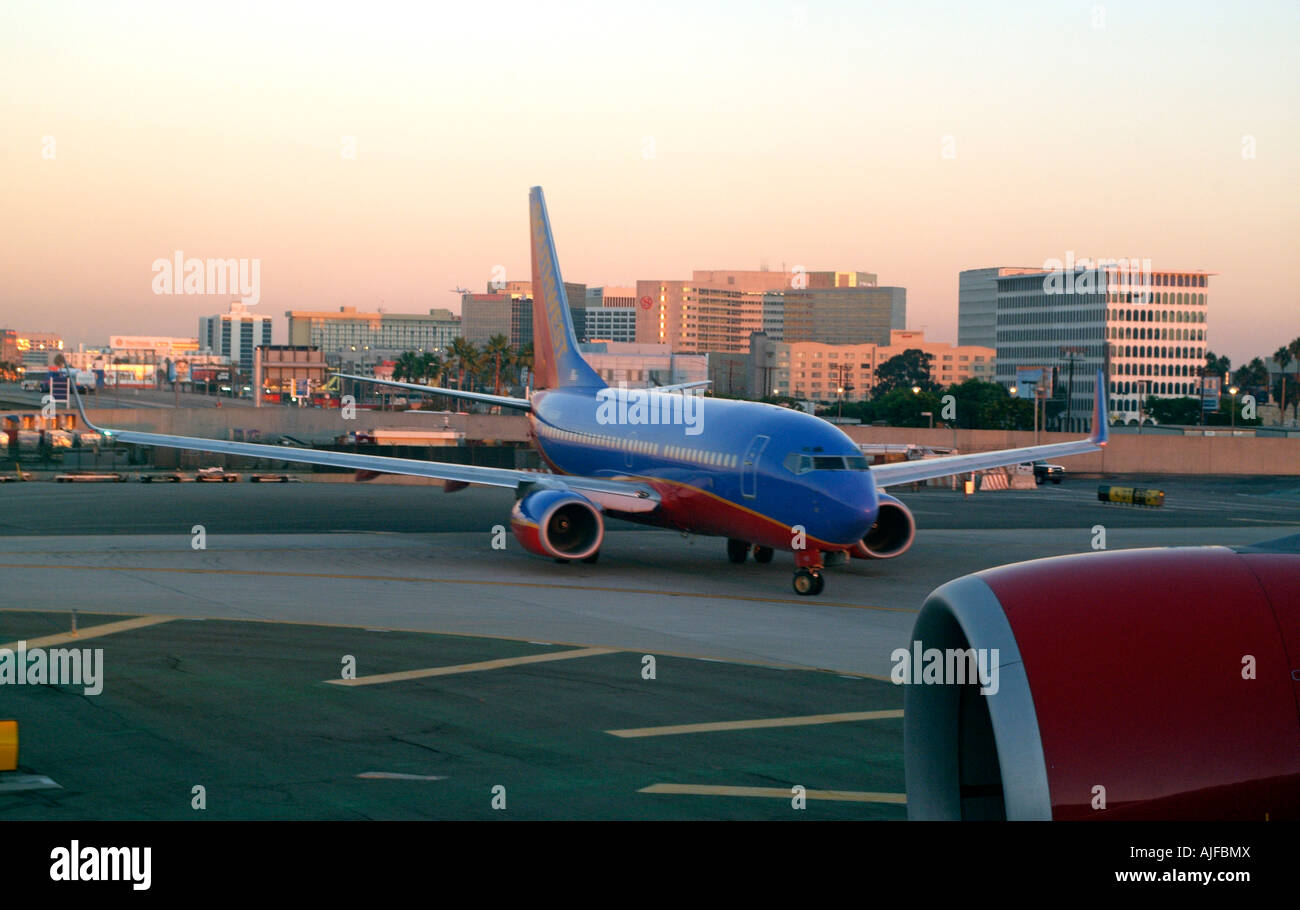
x=808, y=581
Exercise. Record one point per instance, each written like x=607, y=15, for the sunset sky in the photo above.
x=668, y=137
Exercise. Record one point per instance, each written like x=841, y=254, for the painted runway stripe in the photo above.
x=110, y=628
x=651, y=592
x=800, y=721
x=844, y=796
x=744, y=662
x=381, y=678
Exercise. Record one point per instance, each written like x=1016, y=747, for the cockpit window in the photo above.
x=798, y=463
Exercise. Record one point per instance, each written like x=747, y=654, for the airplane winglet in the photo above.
x=81, y=409
x=1100, y=414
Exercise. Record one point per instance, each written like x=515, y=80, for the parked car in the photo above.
x=1044, y=471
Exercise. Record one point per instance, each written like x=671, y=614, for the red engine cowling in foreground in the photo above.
x=558, y=523
x=1157, y=684
x=892, y=533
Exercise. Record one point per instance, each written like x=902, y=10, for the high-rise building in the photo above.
x=9, y=346
x=1147, y=336
x=609, y=315
x=235, y=334
x=851, y=314
x=485, y=315
x=718, y=310
x=977, y=303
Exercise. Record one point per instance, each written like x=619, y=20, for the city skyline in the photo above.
x=378, y=158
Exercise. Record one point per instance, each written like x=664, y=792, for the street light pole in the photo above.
x=1234, y=390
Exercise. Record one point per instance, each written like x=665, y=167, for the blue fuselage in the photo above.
x=723, y=467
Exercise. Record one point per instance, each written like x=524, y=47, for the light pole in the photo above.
x=1233, y=390
x=840, y=418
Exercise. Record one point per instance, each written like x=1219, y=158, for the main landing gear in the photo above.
x=738, y=551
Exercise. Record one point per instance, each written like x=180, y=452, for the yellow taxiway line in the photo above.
x=843, y=796
x=484, y=582
x=108, y=628
x=381, y=678
x=799, y=721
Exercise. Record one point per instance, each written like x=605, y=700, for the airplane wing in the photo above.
x=887, y=475
x=607, y=492
x=679, y=386
x=522, y=404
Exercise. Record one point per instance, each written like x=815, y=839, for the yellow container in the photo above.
x=8, y=745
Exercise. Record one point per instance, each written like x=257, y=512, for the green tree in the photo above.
x=901, y=407
x=1252, y=377
x=1217, y=366
x=1185, y=411
x=523, y=360
x=1283, y=357
x=407, y=367
x=465, y=356
x=984, y=405
x=1294, y=349
x=497, y=350
x=431, y=369
x=905, y=370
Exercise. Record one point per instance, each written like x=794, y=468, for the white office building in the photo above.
x=1147, y=340
x=235, y=334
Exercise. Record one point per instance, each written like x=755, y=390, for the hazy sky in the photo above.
x=668, y=137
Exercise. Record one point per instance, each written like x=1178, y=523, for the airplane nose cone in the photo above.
x=852, y=503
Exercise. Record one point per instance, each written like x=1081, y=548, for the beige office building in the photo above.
x=816, y=371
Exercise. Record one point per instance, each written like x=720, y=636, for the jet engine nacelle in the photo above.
x=1130, y=684
x=558, y=523
x=892, y=533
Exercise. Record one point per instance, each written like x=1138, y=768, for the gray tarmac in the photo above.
x=293, y=576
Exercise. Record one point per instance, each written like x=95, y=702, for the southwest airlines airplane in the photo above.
x=766, y=478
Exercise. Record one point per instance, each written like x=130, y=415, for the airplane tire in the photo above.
x=763, y=554
x=737, y=550
x=808, y=582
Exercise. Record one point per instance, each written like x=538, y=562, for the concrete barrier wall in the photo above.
x=307, y=424
x=1127, y=453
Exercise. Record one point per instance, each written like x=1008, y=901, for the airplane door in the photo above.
x=749, y=467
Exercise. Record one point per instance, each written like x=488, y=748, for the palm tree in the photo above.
x=523, y=360
x=1283, y=358
x=498, y=347
x=431, y=368
x=466, y=357
x=1294, y=349
x=407, y=368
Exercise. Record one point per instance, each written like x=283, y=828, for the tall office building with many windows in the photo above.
x=977, y=303
x=235, y=334
x=717, y=310
x=1148, y=339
